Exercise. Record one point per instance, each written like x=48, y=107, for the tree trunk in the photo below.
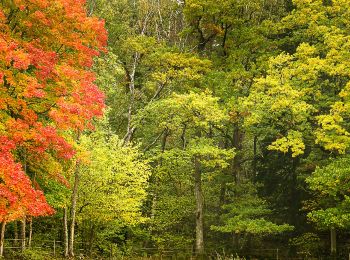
x=91, y=237
x=294, y=197
x=65, y=231
x=155, y=181
x=23, y=234
x=333, y=242
x=236, y=161
x=255, y=156
x=30, y=232
x=130, y=129
x=235, y=241
x=2, y=238
x=199, y=208
x=221, y=198
x=16, y=233
x=73, y=213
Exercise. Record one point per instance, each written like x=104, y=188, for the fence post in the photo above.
x=277, y=254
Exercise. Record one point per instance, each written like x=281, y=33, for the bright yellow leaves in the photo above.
x=170, y=66
x=276, y=106
x=332, y=135
x=113, y=184
x=306, y=94
x=293, y=143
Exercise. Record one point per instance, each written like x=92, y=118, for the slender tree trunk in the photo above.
x=65, y=231
x=236, y=172
x=295, y=204
x=164, y=139
x=73, y=212
x=255, y=155
x=91, y=237
x=154, y=179
x=183, y=137
x=199, y=209
x=333, y=242
x=130, y=129
x=2, y=238
x=23, y=227
x=16, y=233
x=235, y=240
x=236, y=176
x=222, y=198
x=30, y=232
x=23, y=234
x=249, y=242
x=236, y=161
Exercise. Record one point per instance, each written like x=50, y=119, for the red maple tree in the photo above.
x=46, y=88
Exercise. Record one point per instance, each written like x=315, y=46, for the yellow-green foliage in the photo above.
x=195, y=110
x=114, y=181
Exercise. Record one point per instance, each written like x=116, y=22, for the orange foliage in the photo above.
x=46, y=87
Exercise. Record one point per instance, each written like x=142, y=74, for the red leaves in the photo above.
x=46, y=48
x=20, y=59
x=17, y=196
x=38, y=138
x=47, y=138
x=44, y=61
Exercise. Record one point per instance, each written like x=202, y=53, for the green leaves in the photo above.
x=248, y=213
x=332, y=182
x=332, y=179
x=260, y=226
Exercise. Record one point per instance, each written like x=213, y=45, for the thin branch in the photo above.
x=154, y=141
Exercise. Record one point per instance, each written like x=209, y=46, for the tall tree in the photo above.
x=186, y=120
x=46, y=87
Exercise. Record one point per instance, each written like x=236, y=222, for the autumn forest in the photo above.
x=174, y=129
